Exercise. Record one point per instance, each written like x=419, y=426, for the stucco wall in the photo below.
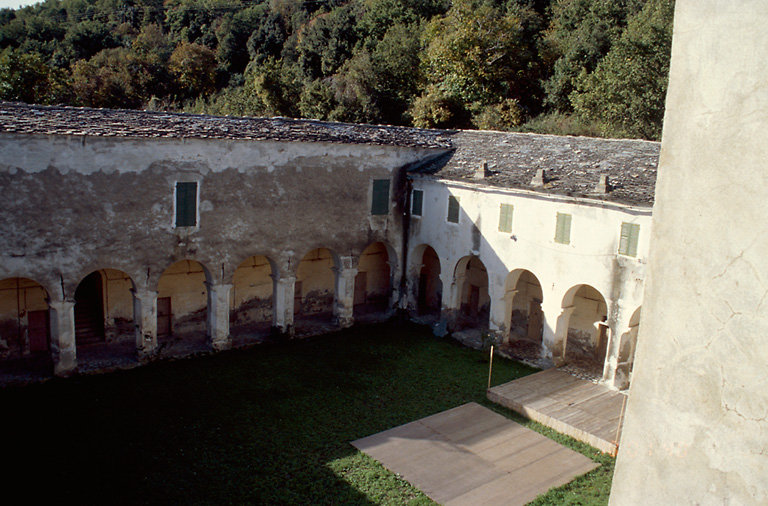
x=696, y=430
x=591, y=257
x=78, y=204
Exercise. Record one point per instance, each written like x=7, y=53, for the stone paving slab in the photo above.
x=470, y=455
x=579, y=408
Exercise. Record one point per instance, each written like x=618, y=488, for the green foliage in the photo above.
x=25, y=77
x=580, y=34
x=447, y=63
x=194, y=67
x=626, y=93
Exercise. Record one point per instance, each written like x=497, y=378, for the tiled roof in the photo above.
x=573, y=165
x=48, y=120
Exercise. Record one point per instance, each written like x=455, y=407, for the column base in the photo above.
x=65, y=365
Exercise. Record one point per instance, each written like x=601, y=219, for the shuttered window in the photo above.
x=380, y=200
x=505, y=218
x=417, y=202
x=563, y=228
x=453, y=209
x=186, y=204
x=628, y=241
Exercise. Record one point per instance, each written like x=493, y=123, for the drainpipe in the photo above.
x=406, y=235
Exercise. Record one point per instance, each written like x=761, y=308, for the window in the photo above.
x=563, y=228
x=380, y=199
x=453, y=209
x=628, y=241
x=417, y=202
x=186, y=204
x=505, y=218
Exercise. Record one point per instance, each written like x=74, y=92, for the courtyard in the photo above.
x=271, y=424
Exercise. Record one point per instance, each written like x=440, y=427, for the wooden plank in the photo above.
x=501, y=463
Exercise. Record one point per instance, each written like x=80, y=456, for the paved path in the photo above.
x=576, y=407
x=471, y=455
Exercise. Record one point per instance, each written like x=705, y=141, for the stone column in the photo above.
x=617, y=326
x=283, y=288
x=555, y=330
x=218, y=315
x=145, y=322
x=63, y=349
x=344, y=300
x=503, y=307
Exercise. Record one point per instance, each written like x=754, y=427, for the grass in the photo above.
x=271, y=424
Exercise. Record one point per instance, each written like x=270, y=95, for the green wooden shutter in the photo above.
x=453, y=209
x=630, y=232
x=563, y=228
x=186, y=204
x=417, y=202
x=380, y=200
x=505, y=218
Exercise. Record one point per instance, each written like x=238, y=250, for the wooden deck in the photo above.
x=579, y=408
x=470, y=455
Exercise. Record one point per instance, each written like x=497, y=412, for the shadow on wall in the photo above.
x=579, y=334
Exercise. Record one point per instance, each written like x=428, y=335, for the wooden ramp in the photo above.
x=579, y=408
x=471, y=455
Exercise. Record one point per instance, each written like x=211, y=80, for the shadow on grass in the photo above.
x=270, y=424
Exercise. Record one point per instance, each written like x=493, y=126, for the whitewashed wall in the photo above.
x=591, y=257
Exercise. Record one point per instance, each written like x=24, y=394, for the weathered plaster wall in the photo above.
x=696, y=428
x=590, y=258
x=18, y=296
x=184, y=283
x=109, y=202
x=374, y=265
x=252, y=287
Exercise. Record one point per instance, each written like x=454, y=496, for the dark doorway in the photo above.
x=164, y=316
x=37, y=326
x=89, y=310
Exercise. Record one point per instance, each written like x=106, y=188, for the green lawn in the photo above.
x=270, y=424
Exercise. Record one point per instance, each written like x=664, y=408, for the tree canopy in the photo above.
x=498, y=64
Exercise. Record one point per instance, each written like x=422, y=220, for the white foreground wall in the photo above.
x=591, y=258
x=696, y=429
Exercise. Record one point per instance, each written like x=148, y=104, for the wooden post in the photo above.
x=490, y=368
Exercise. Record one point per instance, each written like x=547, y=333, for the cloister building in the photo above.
x=131, y=235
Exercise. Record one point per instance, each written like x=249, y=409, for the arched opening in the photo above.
x=252, y=301
x=474, y=302
x=626, y=357
x=430, y=289
x=586, y=339
x=25, y=339
x=373, y=285
x=182, y=309
x=104, y=322
x=523, y=296
x=314, y=291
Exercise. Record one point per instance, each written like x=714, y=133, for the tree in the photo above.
x=116, y=77
x=580, y=34
x=27, y=78
x=626, y=92
x=194, y=67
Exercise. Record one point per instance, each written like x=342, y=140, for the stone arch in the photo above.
x=523, y=297
x=182, y=307
x=24, y=319
x=472, y=300
x=429, y=287
x=105, y=331
x=252, y=304
x=373, y=282
x=626, y=358
x=584, y=329
x=315, y=289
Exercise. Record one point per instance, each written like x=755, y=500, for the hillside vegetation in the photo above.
x=590, y=67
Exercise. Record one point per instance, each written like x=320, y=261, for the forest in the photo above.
x=570, y=67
